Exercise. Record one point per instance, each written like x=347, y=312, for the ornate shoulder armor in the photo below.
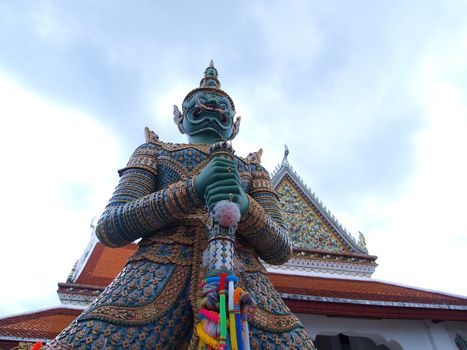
x=144, y=157
x=261, y=183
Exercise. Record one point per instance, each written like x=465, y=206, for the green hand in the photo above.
x=220, y=180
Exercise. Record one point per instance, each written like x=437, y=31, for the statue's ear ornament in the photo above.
x=178, y=119
x=235, y=128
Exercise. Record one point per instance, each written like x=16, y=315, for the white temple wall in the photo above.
x=396, y=334
x=456, y=328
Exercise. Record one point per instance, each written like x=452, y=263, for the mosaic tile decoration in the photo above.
x=307, y=229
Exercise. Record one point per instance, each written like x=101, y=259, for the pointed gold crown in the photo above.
x=210, y=83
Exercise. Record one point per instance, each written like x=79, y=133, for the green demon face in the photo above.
x=206, y=112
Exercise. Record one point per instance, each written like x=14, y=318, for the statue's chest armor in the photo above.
x=183, y=163
x=178, y=164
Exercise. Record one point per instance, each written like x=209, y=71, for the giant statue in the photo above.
x=204, y=217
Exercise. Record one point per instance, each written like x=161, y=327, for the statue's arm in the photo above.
x=136, y=208
x=262, y=224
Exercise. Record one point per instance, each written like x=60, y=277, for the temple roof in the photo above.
x=311, y=225
x=103, y=265
x=44, y=324
x=314, y=290
x=98, y=266
x=321, y=244
x=371, y=292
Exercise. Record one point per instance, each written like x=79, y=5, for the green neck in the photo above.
x=206, y=137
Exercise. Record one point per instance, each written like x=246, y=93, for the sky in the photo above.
x=369, y=96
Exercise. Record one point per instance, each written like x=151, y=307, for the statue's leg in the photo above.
x=273, y=325
x=145, y=307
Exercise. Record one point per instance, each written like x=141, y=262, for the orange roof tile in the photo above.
x=104, y=264
x=359, y=290
x=38, y=325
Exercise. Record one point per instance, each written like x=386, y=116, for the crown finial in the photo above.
x=210, y=78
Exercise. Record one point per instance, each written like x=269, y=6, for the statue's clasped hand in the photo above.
x=220, y=180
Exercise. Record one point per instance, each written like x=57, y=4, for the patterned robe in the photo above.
x=152, y=303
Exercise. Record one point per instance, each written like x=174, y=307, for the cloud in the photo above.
x=59, y=170
x=290, y=33
x=424, y=225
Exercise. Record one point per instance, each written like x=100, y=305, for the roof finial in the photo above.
x=211, y=64
x=362, y=241
x=285, y=162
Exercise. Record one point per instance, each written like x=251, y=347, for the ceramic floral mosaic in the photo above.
x=306, y=228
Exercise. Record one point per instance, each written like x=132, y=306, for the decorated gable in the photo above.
x=311, y=225
x=307, y=229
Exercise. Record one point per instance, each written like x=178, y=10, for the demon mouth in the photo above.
x=211, y=107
